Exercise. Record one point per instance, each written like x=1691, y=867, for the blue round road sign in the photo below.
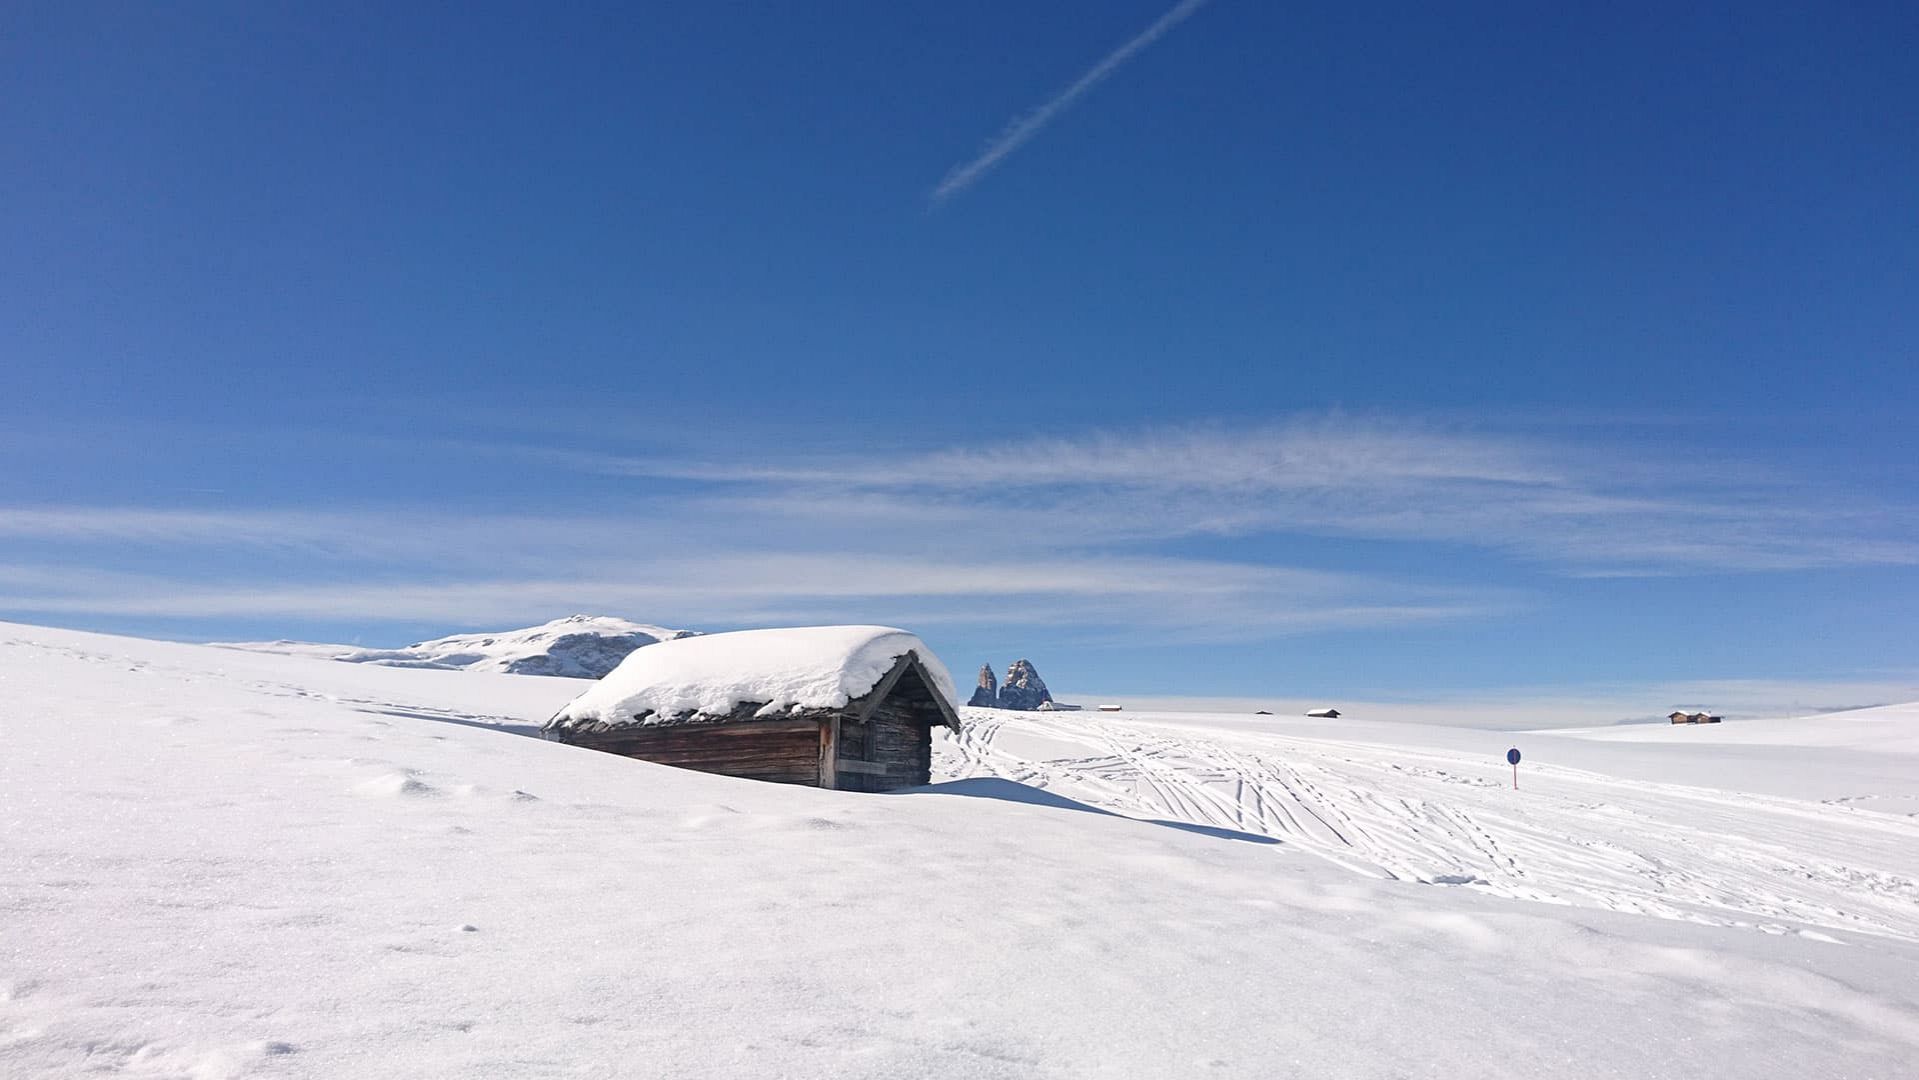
x=1512, y=756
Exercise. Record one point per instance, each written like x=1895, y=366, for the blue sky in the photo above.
x=1201, y=349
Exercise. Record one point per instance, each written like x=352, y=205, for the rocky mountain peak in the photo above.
x=1022, y=689
x=987, y=695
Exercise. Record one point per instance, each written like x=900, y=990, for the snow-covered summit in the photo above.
x=781, y=670
x=578, y=646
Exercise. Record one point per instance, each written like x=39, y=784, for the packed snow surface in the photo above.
x=576, y=647
x=217, y=864
x=806, y=667
x=1437, y=806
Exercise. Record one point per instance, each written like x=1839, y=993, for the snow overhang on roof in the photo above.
x=782, y=672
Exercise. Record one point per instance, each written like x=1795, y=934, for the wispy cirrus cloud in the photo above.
x=1097, y=535
x=1183, y=598
x=1023, y=128
x=1581, y=511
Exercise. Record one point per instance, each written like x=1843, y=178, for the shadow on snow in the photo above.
x=993, y=787
x=511, y=727
x=979, y=787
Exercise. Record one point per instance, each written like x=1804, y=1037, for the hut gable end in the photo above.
x=910, y=681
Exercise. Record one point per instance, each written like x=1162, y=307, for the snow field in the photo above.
x=227, y=865
x=1447, y=817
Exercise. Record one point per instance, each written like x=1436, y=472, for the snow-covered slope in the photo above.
x=223, y=864
x=315, y=650
x=578, y=647
x=1891, y=729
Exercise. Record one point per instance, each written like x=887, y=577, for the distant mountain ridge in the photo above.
x=578, y=647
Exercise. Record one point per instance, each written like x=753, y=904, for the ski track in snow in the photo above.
x=1571, y=837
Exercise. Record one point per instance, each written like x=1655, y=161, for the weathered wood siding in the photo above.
x=893, y=748
x=877, y=743
x=783, y=751
x=855, y=741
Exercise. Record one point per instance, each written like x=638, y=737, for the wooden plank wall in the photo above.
x=893, y=749
x=784, y=752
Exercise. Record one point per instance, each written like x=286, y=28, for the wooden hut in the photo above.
x=1680, y=717
x=845, y=707
x=1323, y=714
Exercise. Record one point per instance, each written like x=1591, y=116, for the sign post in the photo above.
x=1512, y=758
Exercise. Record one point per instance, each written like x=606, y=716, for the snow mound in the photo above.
x=578, y=647
x=783, y=670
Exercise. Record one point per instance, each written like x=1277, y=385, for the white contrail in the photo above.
x=1022, y=130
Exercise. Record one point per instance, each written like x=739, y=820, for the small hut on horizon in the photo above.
x=1323, y=714
x=1682, y=717
x=844, y=707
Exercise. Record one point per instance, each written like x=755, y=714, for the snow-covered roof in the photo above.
x=781, y=671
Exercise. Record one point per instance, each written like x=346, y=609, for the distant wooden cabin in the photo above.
x=1694, y=718
x=869, y=731
x=1323, y=714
